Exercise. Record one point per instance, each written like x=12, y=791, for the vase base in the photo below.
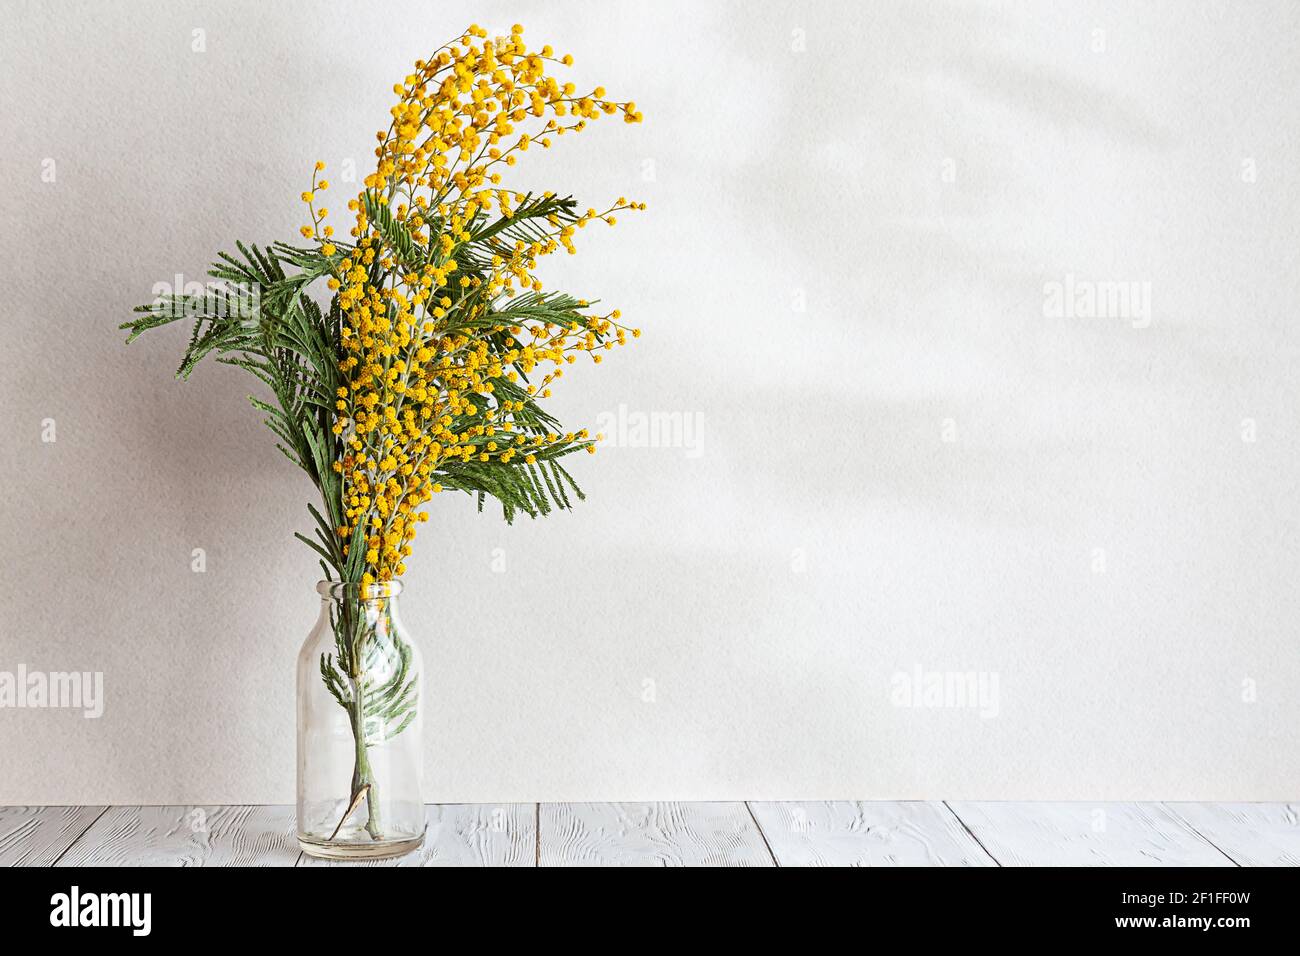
x=370, y=850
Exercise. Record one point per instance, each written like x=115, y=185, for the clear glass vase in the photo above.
x=359, y=714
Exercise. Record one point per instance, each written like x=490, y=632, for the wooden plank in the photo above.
x=847, y=833
x=1086, y=834
x=814, y=833
x=188, y=836
x=467, y=834
x=1251, y=834
x=37, y=836
x=650, y=834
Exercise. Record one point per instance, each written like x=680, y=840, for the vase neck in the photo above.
x=335, y=591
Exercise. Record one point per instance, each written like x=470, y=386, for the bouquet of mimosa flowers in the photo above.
x=425, y=372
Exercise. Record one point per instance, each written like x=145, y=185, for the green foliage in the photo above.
x=366, y=647
x=291, y=346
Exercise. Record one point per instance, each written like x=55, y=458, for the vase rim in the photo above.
x=338, y=590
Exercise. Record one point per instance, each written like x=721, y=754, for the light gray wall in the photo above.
x=907, y=463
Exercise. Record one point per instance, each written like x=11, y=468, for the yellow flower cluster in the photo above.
x=427, y=357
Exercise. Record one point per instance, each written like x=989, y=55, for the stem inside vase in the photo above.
x=353, y=633
x=363, y=778
x=372, y=673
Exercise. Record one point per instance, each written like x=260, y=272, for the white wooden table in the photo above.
x=687, y=834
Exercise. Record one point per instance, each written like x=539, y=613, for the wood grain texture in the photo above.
x=1086, y=834
x=188, y=836
x=1252, y=834
x=480, y=834
x=848, y=833
x=650, y=834
x=687, y=834
x=37, y=836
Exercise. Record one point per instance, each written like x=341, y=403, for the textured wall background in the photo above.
x=908, y=461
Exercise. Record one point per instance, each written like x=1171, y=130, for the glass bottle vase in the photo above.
x=360, y=758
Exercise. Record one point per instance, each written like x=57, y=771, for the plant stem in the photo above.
x=363, y=778
x=362, y=775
